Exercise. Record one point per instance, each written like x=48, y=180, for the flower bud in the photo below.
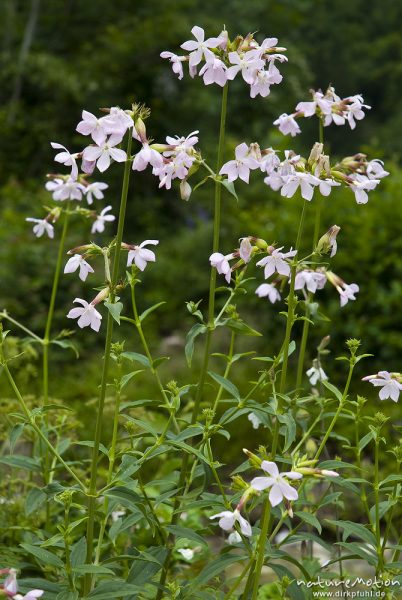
x=255, y=461
x=311, y=447
x=103, y=294
x=185, y=190
x=141, y=129
x=327, y=243
x=315, y=153
x=238, y=483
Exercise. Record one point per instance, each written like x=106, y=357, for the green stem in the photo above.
x=238, y=581
x=35, y=427
x=380, y=564
x=336, y=415
x=5, y=315
x=49, y=320
x=227, y=371
x=266, y=517
x=391, y=513
x=67, y=549
x=105, y=370
x=211, y=326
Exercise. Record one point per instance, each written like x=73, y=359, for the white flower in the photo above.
x=309, y=108
x=269, y=161
x=94, y=189
x=347, y=292
x=87, y=315
x=287, y=125
x=234, y=538
x=214, y=71
x=10, y=584
x=117, y=122
x=32, y=595
x=261, y=84
x=65, y=190
x=280, y=488
x=177, y=62
x=141, y=255
x=326, y=185
x=66, y=158
x=227, y=519
x=316, y=373
x=146, y=156
x=354, y=110
x=186, y=553
x=241, y=166
x=181, y=143
x=305, y=181
x=248, y=63
x=375, y=169
x=221, y=264
x=200, y=46
x=313, y=280
x=78, y=262
x=390, y=384
x=254, y=420
x=276, y=262
x=116, y=514
x=41, y=227
x=245, y=249
x=99, y=223
x=91, y=125
x=177, y=168
x=267, y=290
x=360, y=185
x=104, y=153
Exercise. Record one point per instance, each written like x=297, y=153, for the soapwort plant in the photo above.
x=153, y=512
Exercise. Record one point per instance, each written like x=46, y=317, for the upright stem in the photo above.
x=211, y=326
x=49, y=320
x=317, y=226
x=380, y=564
x=105, y=370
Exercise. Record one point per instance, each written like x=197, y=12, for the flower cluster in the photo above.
x=390, y=384
x=220, y=60
x=329, y=107
x=10, y=587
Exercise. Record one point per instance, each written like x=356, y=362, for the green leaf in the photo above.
x=310, y=519
x=113, y=589
x=230, y=187
x=226, y=384
x=355, y=529
x=333, y=389
x=66, y=344
x=365, y=440
x=215, y=567
x=290, y=428
x=44, y=556
x=97, y=569
x=15, y=434
x=196, y=330
x=67, y=595
x=35, y=498
x=115, y=310
x=136, y=357
x=363, y=552
x=149, y=310
x=391, y=479
x=126, y=378
x=21, y=462
x=78, y=552
x=239, y=326
x=126, y=496
x=186, y=533
x=146, y=565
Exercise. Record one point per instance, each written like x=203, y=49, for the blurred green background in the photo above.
x=60, y=56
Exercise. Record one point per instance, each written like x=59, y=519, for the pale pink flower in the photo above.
x=277, y=262
x=248, y=63
x=390, y=384
x=91, y=125
x=32, y=595
x=267, y=290
x=269, y=161
x=221, y=263
x=87, y=315
x=78, y=262
x=41, y=226
x=10, y=584
x=280, y=487
x=319, y=101
x=354, y=110
x=147, y=156
x=99, y=223
x=176, y=168
x=263, y=81
x=176, y=61
x=66, y=158
x=241, y=166
x=117, y=122
x=245, y=249
x=94, y=189
x=316, y=373
x=312, y=280
x=227, y=520
x=200, y=46
x=375, y=169
x=65, y=190
x=141, y=255
x=104, y=153
x=254, y=420
x=214, y=71
x=326, y=185
x=181, y=143
x=305, y=181
x=347, y=292
x=287, y=125
x=360, y=185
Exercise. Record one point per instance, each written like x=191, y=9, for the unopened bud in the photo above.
x=327, y=243
x=185, y=190
x=255, y=461
x=311, y=447
x=239, y=484
x=141, y=129
x=324, y=343
x=315, y=153
x=103, y=294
